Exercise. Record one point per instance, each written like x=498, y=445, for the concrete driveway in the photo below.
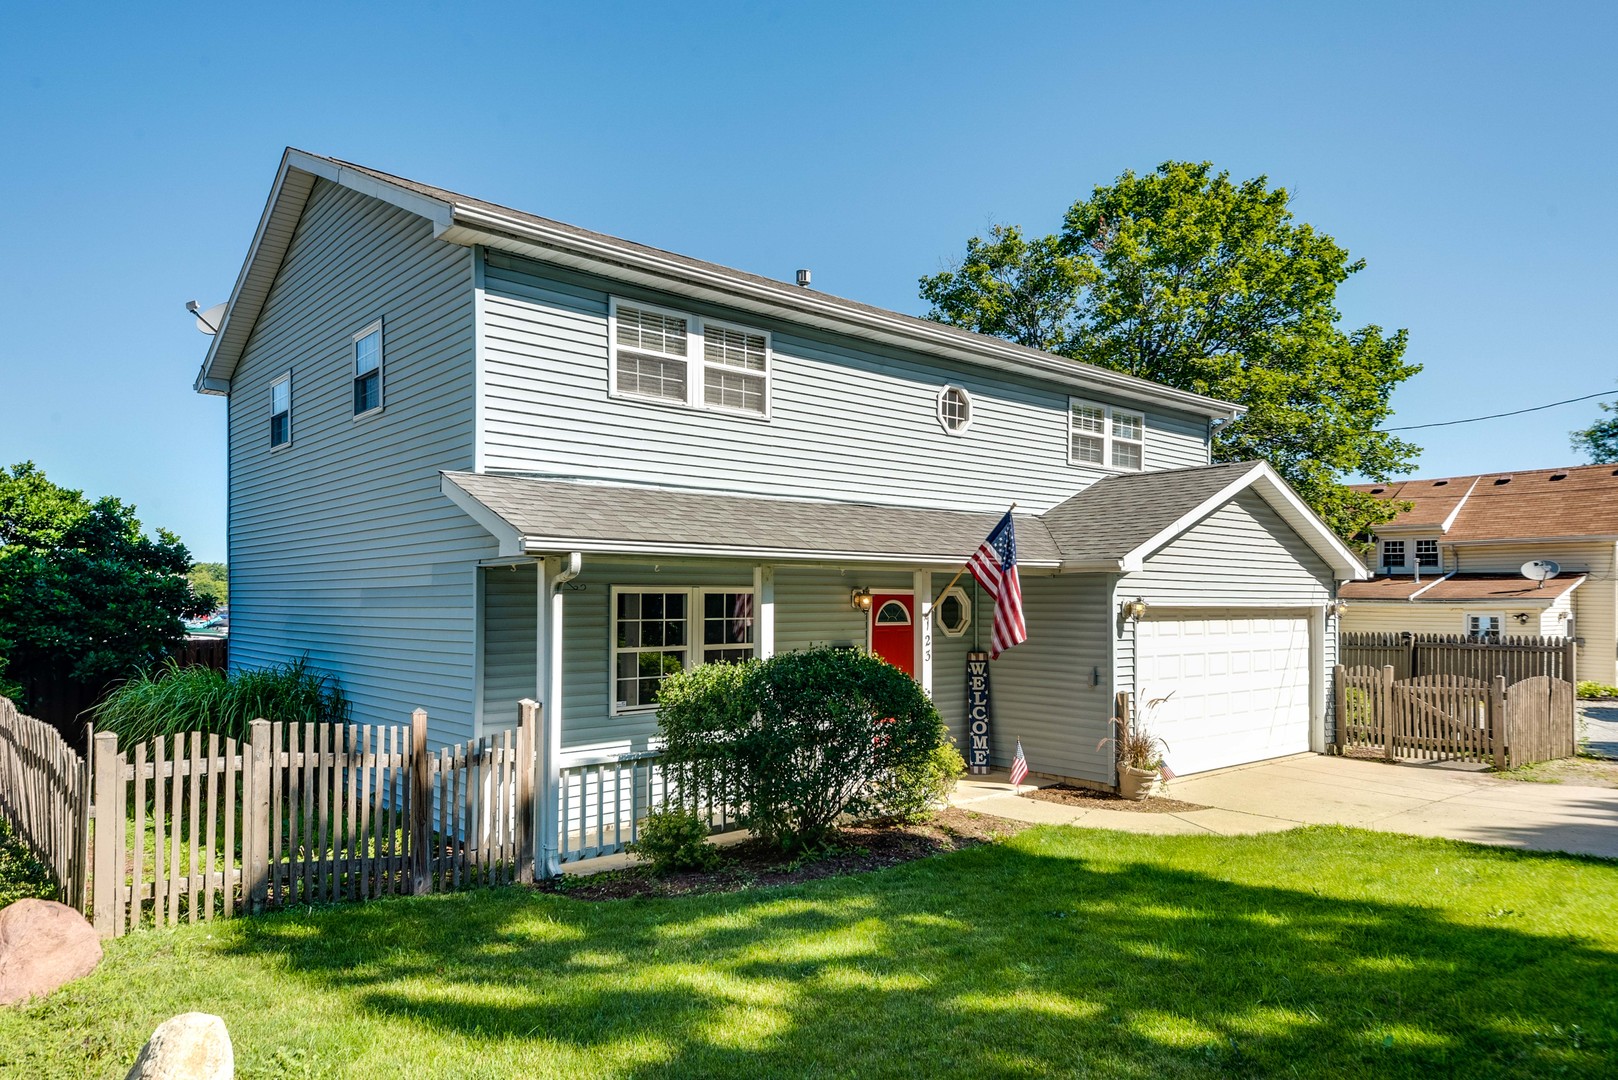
x=1311, y=789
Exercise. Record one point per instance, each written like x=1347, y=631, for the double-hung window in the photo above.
x=1393, y=554
x=368, y=369
x=1106, y=436
x=281, y=411
x=680, y=359
x=1427, y=554
x=1485, y=626
x=657, y=632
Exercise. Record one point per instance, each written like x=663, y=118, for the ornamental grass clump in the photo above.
x=800, y=740
x=170, y=699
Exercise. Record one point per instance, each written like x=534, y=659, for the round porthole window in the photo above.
x=954, y=410
x=954, y=612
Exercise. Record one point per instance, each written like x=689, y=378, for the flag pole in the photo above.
x=958, y=574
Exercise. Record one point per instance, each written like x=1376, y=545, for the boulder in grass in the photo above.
x=191, y=1046
x=43, y=945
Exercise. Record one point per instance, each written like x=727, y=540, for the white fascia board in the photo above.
x=476, y=225
x=1293, y=510
x=550, y=545
x=511, y=541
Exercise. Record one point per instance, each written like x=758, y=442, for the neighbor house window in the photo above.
x=1102, y=435
x=1393, y=554
x=657, y=632
x=679, y=359
x=368, y=369
x=1484, y=627
x=281, y=411
x=954, y=410
x=1427, y=553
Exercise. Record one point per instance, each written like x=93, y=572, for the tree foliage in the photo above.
x=211, y=582
x=85, y=594
x=1189, y=279
x=1599, y=441
x=801, y=739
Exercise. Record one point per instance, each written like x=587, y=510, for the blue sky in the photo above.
x=1466, y=152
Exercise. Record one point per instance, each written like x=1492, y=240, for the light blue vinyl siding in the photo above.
x=1242, y=553
x=341, y=546
x=510, y=642
x=850, y=420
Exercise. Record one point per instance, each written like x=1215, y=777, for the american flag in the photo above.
x=1019, y=766
x=994, y=564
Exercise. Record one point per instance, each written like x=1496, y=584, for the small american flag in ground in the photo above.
x=1165, y=772
x=994, y=564
x=1019, y=766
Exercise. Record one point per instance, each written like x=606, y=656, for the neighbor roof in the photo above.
x=1460, y=588
x=462, y=219
x=1539, y=504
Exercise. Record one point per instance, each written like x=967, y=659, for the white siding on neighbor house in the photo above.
x=849, y=420
x=1422, y=617
x=1054, y=691
x=341, y=546
x=1595, y=603
x=510, y=643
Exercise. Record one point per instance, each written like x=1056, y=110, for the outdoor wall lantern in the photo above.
x=859, y=599
x=1337, y=609
x=1135, y=609
x=1521, y=616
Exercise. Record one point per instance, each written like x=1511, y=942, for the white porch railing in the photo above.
x=603, y=799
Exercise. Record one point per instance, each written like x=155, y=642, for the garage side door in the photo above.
x=1237, y=688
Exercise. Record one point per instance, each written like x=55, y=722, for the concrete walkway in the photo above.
x=1310, y=789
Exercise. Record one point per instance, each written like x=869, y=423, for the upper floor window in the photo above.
x=1105, y=436
x=1393, y=554
x=954, y=410
x=668, y=356
x=281, y=411
x=368, y=369
x=1427, y=553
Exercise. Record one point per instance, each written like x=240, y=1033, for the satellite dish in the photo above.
x=207, y=321
x=1540, y=570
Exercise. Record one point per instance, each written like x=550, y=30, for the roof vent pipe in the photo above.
x=803, y=278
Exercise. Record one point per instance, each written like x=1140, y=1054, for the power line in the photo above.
x=1498, y=415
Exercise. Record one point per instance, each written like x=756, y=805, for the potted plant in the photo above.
x=1140, y=753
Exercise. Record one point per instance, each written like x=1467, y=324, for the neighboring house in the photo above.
x=477, y=456
x=1452, y=563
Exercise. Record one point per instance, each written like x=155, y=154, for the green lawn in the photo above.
x=1061, y=952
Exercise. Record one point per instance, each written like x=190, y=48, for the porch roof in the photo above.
x=533, y=514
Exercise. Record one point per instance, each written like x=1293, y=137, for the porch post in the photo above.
x=764, y=622
x=548, y=748
x=924, y=629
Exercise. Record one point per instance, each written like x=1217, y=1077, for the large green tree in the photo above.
x=85, y=594
x=1599, y=441
x=211, y=582
x=1188, y=278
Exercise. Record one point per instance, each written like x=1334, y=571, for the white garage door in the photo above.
x=1237, y=688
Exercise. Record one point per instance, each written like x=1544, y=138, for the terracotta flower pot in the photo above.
x=1135, y=783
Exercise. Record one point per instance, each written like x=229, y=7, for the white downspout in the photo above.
x=549, y=765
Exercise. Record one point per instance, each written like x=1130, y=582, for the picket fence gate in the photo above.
x=1449, y=717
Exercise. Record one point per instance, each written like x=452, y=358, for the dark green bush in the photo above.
x=675, y=840
x=171, y=699
x=799, y=740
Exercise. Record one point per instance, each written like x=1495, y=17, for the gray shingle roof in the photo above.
x=1111, y=518
x=568, y=511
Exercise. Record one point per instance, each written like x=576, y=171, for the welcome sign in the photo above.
x=977, y=712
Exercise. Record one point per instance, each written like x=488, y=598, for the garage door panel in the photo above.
x=1237, y=689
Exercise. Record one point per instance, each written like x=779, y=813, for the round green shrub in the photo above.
x=795, y=742
x=675, y=840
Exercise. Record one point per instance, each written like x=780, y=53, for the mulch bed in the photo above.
x=1106, y=800
x=752, y=864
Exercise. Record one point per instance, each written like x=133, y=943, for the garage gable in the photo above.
x=1243, y=553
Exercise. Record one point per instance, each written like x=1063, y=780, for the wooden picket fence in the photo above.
x=1414, y=656
x=43, y=787
x=1450, y=717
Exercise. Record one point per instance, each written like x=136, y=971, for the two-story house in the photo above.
x=477, y=455
x=1452, y=563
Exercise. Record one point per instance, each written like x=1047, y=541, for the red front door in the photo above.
x=893, y=630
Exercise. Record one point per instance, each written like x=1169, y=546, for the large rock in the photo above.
x=191, y=1046
x=43, y=944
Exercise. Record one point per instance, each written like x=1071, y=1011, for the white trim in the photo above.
x=922, y=619
x=768, y=374
x=540, y=545
x=479, y=637
x=1382, y=563
x=480, y=361
x=764, y=628
x=966, y=401
x=966, y=609
x=372, y=327
x=1107, y=435
x=510, y=540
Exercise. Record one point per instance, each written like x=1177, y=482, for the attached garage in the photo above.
x=1232, y=687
